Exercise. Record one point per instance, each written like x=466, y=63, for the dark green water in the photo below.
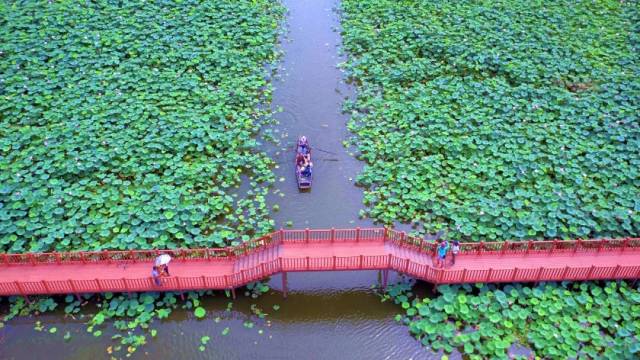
x=327, y=315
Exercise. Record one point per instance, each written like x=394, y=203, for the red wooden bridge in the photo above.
x=318, y=250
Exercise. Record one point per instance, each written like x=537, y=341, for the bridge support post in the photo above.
x=22, y=292
x=284, y=284
x=233, y=293
x=635, y=281
x=385, y=277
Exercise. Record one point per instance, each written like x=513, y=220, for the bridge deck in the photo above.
x=283, y=252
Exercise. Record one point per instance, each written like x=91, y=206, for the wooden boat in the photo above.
x=304, y=177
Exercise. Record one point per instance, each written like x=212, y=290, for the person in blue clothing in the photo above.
x=442, y=250
x=155, y=274
x=303, y=146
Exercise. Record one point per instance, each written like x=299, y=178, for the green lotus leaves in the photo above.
x=564, y=327
x=497, y=120
x=120, y=136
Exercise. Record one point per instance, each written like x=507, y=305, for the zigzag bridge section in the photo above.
x=318, y=250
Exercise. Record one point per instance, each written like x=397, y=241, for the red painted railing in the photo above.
x=270, y=263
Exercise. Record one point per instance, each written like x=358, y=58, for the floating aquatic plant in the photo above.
x=115, y=135
x=497, y=119
x=556, y=320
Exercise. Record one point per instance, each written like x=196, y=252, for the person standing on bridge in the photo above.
x=155, y=274
x=443, y=248
x=455, y=249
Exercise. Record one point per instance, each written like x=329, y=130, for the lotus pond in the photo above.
x=498, y=119
x=321, y=309
x=129, y=125
x=523, y=123
x=503, y=120
x=556, y=320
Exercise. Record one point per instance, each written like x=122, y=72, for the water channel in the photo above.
x=327, y=315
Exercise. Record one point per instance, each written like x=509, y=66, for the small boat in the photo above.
x=304, y=176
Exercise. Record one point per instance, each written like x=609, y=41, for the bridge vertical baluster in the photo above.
x=538, y=274
x=505, y=245
x=440, y=275
x=529, y=246
x=615, y=273
x=577, y=244
x=515, y=272
x=126, y=287
x=406, y=265
x=360, y=267
x=22, y=292
x=306, y=235
x=481, y=247
x=99, y=286
x=625, y=244
x=358, y=234
x=564, y=273
x=307, y=263
x=334, y=262
x=488, y=275
x=6, y=259
x=74, y=290
x=590, y=272
x=464, y=275
x=204, y=282
x=601, y=245
x=31, y=259
x=46, y=287
x=333, y=235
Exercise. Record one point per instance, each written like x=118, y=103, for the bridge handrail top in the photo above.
x=229, y=250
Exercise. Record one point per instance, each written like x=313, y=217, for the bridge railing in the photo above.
x=273, y=266
x=111, y=256
x=327, y=235
x=516, y=247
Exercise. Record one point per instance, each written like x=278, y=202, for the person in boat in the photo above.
x=300, y=159
x=303, y=146
x=305, y=166
x=306, y=171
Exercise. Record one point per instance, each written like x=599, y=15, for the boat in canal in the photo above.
x=303, y=165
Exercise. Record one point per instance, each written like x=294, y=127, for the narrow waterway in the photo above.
x=327, y=315
x=310, y=92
